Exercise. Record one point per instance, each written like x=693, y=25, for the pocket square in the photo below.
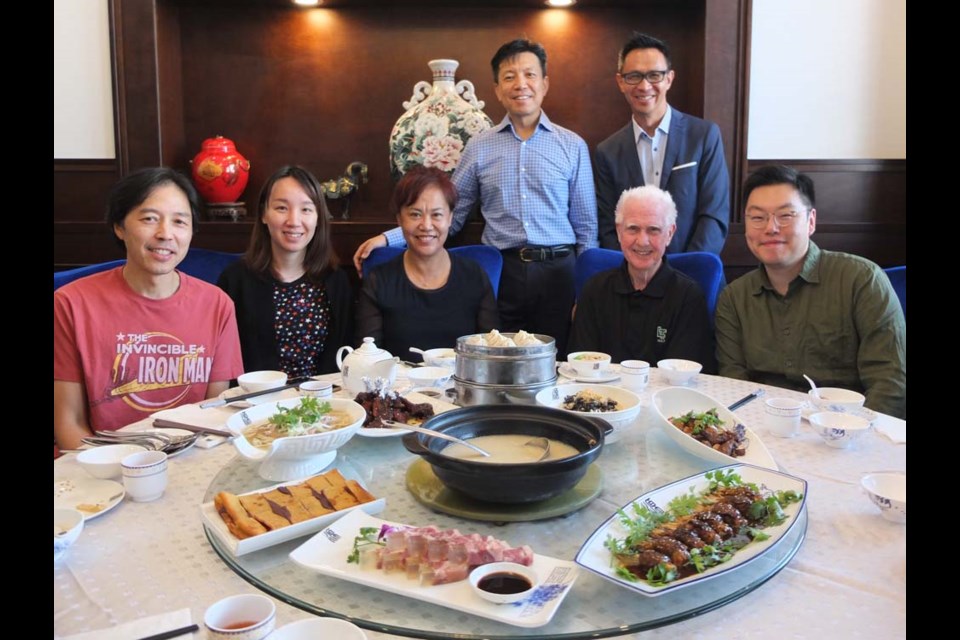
x=684, y=166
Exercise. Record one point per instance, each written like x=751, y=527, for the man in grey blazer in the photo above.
x=663, y=147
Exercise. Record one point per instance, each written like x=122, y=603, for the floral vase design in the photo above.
x=219, y=171
x=439, y=120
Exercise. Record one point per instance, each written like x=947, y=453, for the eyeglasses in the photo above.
x=636, y=77
x=782, y=218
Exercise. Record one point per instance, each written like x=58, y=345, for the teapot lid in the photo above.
x=368, y=347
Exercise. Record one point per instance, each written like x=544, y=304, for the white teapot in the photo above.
x=369, y=361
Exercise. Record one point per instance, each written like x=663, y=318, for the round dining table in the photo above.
x=842, y=573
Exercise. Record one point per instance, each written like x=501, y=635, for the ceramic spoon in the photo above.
x=435, y=434
x=813, y=386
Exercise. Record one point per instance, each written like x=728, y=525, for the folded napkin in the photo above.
x=142, y=628
x=215, y=418
x=893, y=428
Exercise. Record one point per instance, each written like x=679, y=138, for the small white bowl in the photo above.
x=104, y=462
x=836, y=399
x=67, y=525
x=316, y=389
x=261, y=380
x=429, y=376
x=316, y=628
x=589, y=364
x=628, y=401
x=839, y=429
x=440, y=358
x=222, y=617
x=485, y=570
x=887, y=490
x=678, y=371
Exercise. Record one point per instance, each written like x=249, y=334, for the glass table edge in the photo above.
x=579, y=635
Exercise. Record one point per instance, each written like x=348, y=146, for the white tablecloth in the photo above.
x=847, y=581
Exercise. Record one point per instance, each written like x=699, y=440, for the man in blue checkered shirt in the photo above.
x=535, y=187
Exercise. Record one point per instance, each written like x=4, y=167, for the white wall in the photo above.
x=82, y=86
x=828, y=79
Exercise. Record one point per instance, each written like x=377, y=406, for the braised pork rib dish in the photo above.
x=696, y=531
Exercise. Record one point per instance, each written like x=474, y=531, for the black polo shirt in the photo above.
x=668, y=319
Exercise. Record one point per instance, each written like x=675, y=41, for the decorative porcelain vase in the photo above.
x=439, y=120
x=220, y=173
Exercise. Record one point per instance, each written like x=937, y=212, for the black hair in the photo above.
x=514, y=48
x=781, y=174
x=643, y=41
x=133, y=189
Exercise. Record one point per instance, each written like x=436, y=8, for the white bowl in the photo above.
x=673, y=402
x=429, y=376
x=298, y=456
x=589, y=364
x=440, y=358
x=514, y=568
x=221, y=617
x=104, y=462
x=679, y=371
x=67, y=525
x=836, y=399
x=620, y=419
x=261, y=380
x=839, y=429
x=318, y=628
x=887, y=490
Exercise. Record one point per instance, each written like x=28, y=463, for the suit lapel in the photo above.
x=629, y=158
x=675, y=140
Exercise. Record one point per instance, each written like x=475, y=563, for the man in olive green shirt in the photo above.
x=830, y=315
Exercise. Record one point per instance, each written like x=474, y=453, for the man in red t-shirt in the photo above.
x=141, y=337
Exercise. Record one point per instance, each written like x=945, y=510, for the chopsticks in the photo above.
x=746, y=399
x=173, y=633
x=170, y=424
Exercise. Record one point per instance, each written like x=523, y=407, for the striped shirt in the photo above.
x=537, y=191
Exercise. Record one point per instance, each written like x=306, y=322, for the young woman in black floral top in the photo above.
x=294, y=305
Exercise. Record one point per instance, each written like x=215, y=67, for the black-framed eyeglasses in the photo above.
x=636, y=77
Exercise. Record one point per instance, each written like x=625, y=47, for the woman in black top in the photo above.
x=426, y=297
x=294, y=306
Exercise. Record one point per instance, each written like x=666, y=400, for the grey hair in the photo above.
x=656, y=197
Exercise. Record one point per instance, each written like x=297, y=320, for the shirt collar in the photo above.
x=656, y=288
x=810, y=271
x=663, y=127
x=505, y=124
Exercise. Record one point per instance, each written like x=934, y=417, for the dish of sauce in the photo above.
x=504, y=583
x=233, y=626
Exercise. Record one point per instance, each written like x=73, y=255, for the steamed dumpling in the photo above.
x=524, y=339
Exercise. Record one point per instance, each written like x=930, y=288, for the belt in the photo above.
x=538, y=253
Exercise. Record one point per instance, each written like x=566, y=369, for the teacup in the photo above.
x=635, y=374
x=145, y=475
x=316, y=389
x=783, y=416
x=247, y=616
x=589, y=364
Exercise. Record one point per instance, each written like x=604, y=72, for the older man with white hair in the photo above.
x=644, y=309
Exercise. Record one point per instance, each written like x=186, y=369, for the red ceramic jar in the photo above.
x=220, y=173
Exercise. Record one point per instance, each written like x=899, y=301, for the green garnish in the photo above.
x=308, y=413
x=700, y=421
x=367, y=537
x=662, y=574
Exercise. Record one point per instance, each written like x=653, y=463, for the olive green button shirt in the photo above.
x=840, y=323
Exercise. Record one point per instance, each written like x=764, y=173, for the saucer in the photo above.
x=611, y=374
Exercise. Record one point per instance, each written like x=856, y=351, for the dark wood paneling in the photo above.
x=80, y=187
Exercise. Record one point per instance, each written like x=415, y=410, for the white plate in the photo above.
x=276, y=396
x=297, y=530
x=673, y=402
x=138, y=427
x=611, y=374
x=593, y=555
x=314, y=628
x=326, y=553
x=867, y=414
x=87, y=491
x=439, y=406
